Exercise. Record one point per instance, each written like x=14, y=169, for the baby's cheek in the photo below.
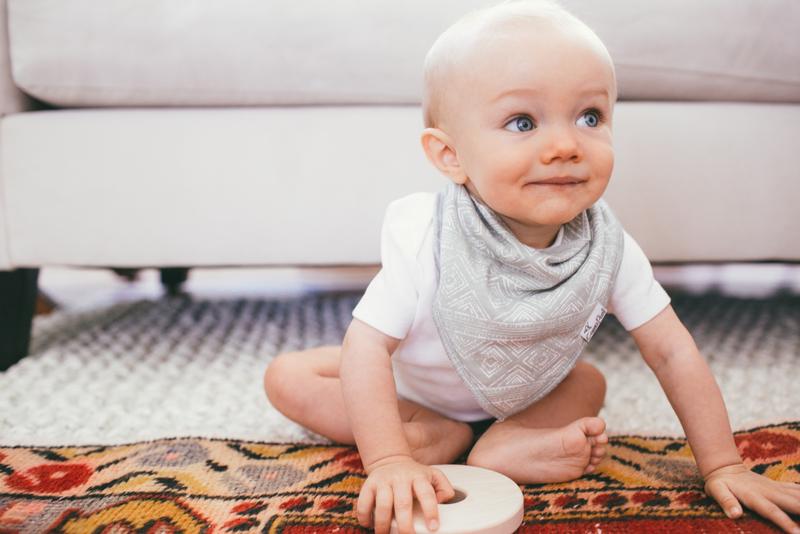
x=603, y=162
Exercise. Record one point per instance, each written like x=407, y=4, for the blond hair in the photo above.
x=450, y=49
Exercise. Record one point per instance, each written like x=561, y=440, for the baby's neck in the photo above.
x=538, y=237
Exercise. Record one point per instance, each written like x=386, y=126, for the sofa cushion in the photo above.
x=266, y=186
x=244, y=52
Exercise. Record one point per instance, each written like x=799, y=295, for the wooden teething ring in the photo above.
x=485, y=502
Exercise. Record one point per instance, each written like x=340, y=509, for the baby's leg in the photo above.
x=556, y=439
x=305, y=387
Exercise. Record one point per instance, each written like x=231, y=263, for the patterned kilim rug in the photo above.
x=194, y=485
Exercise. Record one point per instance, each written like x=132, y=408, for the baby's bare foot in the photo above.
x=566, y=453
x=547, y=454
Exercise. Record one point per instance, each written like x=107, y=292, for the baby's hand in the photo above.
x=392, y=485
x=733, y=484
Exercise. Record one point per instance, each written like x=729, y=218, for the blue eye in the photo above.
x=591, y=118
x=523, y=123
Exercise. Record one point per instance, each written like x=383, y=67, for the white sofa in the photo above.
x=233, y=132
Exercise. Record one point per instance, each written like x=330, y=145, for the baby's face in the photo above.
x=534, y=106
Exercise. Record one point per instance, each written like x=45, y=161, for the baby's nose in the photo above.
x=560, y=143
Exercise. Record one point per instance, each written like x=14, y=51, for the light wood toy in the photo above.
x=485, y=502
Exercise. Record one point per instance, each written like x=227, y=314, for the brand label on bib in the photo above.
x=593, y=322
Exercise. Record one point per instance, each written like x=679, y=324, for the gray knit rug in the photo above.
x=182, y=367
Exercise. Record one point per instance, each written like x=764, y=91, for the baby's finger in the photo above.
x=787, y=502
x=366, y=500
x=793, y=487
x=444, y=490
x=403, y=505
x=427, y=502
x=770, y=511
x=726, y=499
x=383, y=510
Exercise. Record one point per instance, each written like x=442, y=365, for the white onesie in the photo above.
x=398, y=302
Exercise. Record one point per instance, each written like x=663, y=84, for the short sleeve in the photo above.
x=390, y=302
x=637, y=296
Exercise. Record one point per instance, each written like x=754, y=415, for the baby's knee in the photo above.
x=279, y=379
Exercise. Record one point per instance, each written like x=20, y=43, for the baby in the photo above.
x=470, y=334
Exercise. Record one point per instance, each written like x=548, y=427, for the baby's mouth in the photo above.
x=568, y=184
x=559, y=181
x=565, y=181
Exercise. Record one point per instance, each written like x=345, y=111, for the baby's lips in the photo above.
x=559, y=180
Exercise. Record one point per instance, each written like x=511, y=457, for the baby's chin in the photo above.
x=553, y=215
x=555, y=221
x=538, y=221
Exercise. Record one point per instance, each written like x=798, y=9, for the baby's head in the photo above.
x=518, y=93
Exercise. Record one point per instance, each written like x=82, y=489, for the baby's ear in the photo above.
x=439, y=149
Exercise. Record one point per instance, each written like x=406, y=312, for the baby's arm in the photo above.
x=671, y=353
x=394, y=477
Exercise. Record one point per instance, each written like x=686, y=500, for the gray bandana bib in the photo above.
x=513, y=319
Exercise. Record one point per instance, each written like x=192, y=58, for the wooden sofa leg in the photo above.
x=17, y=303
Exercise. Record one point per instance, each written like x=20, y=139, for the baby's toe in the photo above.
x=592, y=427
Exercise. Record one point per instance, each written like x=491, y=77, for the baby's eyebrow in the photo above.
x=525, y=91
